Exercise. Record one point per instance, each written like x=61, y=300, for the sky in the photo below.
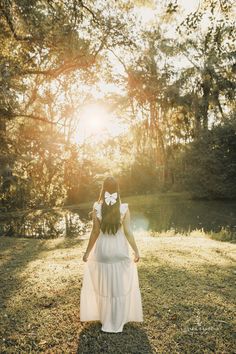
x=147, y=14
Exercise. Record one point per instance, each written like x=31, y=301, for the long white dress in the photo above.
x=110, y=290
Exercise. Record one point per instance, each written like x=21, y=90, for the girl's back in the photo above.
x=111, y=248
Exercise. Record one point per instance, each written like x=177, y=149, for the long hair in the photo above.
x=110, y=222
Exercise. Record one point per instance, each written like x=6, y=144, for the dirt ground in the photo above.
x=187, y=286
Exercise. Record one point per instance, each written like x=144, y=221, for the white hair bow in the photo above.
x=110, y=198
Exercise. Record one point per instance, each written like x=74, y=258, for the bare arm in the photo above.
x=130, y=236
x=93, y=236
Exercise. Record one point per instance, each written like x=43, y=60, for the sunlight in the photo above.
x=96, y=122
x=189, y=6
x=92, y=122
x=147, y=14
x=94, y=117
x=140, y=222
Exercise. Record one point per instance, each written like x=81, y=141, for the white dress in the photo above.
x=110, y=291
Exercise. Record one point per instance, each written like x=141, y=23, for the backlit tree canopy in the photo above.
x=124, y=87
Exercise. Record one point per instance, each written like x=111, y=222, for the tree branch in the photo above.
x=12, y=28
x=119, y=59
x=90, y=11
x=31, y=116
x=65, y=68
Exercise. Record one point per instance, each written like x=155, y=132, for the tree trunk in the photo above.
x=205, y=101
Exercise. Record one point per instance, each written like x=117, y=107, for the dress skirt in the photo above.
x=110, y=291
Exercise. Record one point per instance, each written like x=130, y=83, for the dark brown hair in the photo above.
x=110, y=222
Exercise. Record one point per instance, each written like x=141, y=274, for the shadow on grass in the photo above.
x=68, y=242
x=15, y=258
x=190, y=310
x=133, y=339
x=26, y=313
x=15, y=255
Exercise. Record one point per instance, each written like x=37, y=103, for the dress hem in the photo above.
x=110, y=331
x=98, y=319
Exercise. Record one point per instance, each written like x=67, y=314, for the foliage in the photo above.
x=170, y=80
x=210, y=163
x=41, y=42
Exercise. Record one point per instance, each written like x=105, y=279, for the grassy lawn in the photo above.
x=187, y=285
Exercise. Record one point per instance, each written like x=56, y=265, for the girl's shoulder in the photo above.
x=123, y=208
x=97, y=207
x=97, y=202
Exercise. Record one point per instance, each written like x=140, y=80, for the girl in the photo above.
x=110, y=291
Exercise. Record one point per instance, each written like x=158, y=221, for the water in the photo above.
x=148, y=213
x=165, y=213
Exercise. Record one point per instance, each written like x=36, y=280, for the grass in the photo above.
x=225, y=234
x=187, y=286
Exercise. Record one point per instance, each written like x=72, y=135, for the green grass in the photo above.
x=225, y=234
x=187, y=286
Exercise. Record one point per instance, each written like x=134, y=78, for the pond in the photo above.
x=156, y=213
x=163, y=213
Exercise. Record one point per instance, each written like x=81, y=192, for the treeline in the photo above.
x=180, y=101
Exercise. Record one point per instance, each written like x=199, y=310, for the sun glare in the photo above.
x=94, y=117
x=97, y=123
